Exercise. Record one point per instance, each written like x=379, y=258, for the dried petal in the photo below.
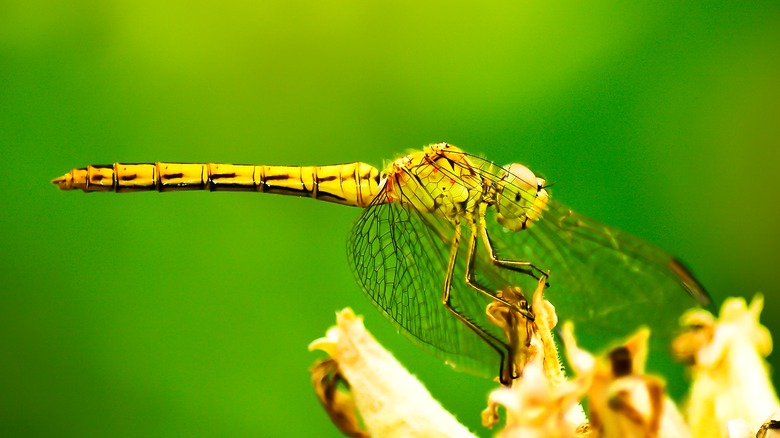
x=624, y=402
x=390, y=400
x=339, y=405
x=730, y=379
x=540, y=402
x=536, y=407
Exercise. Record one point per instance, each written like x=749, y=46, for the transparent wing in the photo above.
x=399, y=257
x=607, y=281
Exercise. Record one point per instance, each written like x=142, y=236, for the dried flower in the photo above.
x=540, y=402
x=390, y=400
x=731, y=393
x=624, y=402
x=535, y=407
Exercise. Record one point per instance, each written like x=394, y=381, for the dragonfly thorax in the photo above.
x=520, y=197
x=438, y=180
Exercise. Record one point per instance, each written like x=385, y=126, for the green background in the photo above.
x=189, y=313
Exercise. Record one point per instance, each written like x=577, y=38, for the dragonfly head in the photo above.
x=520, y=197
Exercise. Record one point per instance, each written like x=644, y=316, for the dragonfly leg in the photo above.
x=521, y=266
x=506, y=369
x=471, y=279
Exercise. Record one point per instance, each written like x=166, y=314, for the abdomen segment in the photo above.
x=351, y=184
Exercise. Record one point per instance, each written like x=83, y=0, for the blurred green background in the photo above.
x=188, y=314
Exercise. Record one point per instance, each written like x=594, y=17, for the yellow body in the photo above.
x=439, y=179
x=351, y=184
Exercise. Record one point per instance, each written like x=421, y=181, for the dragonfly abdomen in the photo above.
x=351, y=184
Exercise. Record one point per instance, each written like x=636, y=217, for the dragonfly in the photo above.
x=443, y=232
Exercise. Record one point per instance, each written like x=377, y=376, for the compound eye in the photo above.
x=521, y=176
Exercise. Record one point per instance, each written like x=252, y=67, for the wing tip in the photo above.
x=694, y=288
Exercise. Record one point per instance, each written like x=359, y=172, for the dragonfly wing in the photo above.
x=607, y=281
x=399, y=257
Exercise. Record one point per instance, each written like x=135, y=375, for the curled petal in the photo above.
x=389, y=399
